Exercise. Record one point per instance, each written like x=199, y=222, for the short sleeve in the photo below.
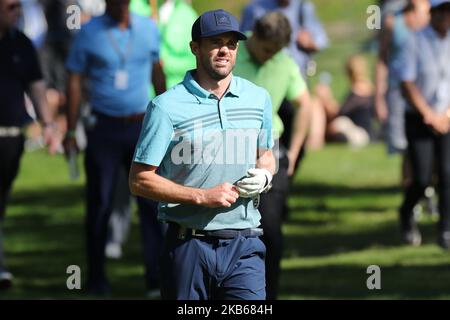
x=408, y=60
x=77, y=58
x=265, y=138
x=297, y=84
x=156, y=135
x=34, y=73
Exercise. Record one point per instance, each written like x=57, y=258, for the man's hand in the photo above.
x=50, y=140
x=222, y=195
x=292, y=160
x=305, y=41
x=256, y=181
x=381, y=109
x=439, y=123
x=70, y=145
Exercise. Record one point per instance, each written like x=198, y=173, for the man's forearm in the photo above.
x=74, y=99
x=39, y=99
x=148, y=184
x=301, y=123
x=381, y=74
x=158, y=78
x=415, y=98
x=266, y=160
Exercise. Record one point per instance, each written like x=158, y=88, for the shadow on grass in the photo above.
x=350, y=282
x=313, y=190
x=52, y=197
x=334, y=242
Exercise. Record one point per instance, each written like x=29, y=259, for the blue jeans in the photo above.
x=207, y=268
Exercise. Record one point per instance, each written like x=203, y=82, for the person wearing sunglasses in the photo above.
x=20, y=73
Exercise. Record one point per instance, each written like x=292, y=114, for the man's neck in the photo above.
x=217, y=87
x=440, y=33
x=123, y=23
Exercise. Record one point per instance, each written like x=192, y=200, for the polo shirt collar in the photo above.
x=192, y=85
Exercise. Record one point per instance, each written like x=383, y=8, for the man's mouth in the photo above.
x=222, y=61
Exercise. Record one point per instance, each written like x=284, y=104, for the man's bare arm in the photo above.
x=145, y=182
x=302, y=122
x=266, y=160
x=158, y=78
x=439, y=122
x=73, y=108
x=381, y=69
x=37, y=93
x=38, y=96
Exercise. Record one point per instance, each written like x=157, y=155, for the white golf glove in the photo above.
x=256, y=181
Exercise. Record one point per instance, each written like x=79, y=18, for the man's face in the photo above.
x=264, y=50
x=442, y=18
x=217, y=54
x=9, y=12
x=118, y=9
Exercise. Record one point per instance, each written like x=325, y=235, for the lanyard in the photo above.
x=122, y=55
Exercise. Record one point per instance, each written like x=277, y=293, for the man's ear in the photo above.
x=194, y=47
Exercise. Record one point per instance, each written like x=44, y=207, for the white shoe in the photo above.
x=113, y=251
x=5, y=279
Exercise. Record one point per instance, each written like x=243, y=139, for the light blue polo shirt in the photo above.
x=199, y=141
x=97, y=52
x=425, y=61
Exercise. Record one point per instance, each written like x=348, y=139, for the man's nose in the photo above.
x=223, y=49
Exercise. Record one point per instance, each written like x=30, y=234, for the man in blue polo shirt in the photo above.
x=205, y=154
x=118, y=53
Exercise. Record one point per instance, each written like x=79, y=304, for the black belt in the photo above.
x=183, y=232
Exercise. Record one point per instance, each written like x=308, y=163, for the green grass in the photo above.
x=343, y=219
x=343, y=211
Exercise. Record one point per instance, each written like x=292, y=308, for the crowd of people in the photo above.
x=133, y=87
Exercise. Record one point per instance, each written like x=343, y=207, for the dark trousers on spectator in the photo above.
x=111, y=144
x=11, y=150
x=425, y=150
x=272, y=206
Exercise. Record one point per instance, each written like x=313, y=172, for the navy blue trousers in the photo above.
x=208, y=268
x=111, y=144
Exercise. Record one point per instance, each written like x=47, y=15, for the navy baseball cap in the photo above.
x=214, y=22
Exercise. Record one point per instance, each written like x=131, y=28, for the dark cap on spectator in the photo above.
x=212, y=23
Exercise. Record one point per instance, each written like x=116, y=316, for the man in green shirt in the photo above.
x=173, y=17
x=262, y=61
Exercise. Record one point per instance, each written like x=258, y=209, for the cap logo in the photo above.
x=222, y=19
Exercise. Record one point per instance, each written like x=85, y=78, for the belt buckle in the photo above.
x=195, y=234
x=181, y=234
